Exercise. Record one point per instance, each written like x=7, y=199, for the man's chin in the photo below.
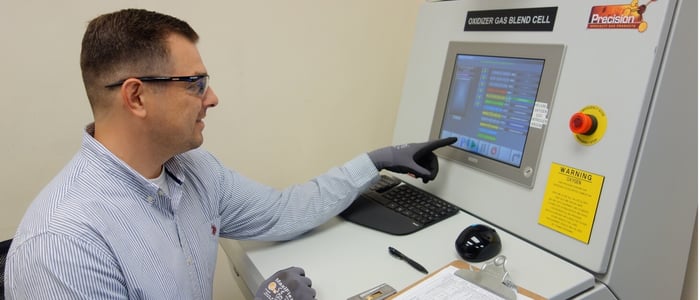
x=194, y=144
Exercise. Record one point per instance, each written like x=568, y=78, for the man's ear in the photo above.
x=132, y=97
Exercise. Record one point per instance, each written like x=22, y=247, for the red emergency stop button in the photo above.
x=581, y=123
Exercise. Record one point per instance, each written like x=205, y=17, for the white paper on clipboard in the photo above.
x=446, y=285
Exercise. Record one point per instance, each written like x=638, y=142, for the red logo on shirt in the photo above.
x=213, y=229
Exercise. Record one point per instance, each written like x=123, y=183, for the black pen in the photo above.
x=405, y=258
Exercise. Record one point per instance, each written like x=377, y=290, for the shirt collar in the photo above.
x=94, y=151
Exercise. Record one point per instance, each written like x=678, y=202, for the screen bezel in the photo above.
x=552, y=56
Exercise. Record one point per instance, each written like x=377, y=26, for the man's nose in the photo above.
x=210, y=99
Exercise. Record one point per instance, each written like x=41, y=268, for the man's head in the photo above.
x=146, y=81
x=129, y=42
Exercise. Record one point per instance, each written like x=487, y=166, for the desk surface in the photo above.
x=343, y=259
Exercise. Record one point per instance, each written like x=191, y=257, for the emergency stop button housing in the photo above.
x=588, y=125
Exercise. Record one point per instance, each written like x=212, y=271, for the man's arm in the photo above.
x=250, y=210
x=49, y=266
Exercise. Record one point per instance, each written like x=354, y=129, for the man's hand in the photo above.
x=416, y=159
x=287, y=284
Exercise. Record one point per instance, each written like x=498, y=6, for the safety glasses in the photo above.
x=199, y=86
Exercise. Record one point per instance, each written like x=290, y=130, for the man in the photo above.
x=138, y=211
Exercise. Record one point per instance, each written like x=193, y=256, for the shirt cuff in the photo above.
x=362, y=170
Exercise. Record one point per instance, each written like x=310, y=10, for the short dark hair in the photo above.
x=129, y=42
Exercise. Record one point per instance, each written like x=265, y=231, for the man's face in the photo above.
x=177, y=112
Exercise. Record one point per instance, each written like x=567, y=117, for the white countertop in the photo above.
x=343, y=259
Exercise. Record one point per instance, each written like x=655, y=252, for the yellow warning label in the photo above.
x=570, y=201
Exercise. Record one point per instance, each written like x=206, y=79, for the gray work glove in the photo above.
x=416, y=159
x=287, y=284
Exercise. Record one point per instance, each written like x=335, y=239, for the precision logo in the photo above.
x=620, y=16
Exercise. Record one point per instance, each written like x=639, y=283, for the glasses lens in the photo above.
x=202, y=85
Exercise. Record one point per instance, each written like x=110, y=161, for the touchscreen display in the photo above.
x=490, y=103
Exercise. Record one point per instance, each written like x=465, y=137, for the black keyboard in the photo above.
x=396, y=207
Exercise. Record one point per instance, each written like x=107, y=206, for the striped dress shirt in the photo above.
x=99, y=230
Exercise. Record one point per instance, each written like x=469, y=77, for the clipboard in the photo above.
x=465, y=268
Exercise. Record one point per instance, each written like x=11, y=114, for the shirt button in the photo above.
x=160, y=192
x=149, y=199
x=189, y=260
